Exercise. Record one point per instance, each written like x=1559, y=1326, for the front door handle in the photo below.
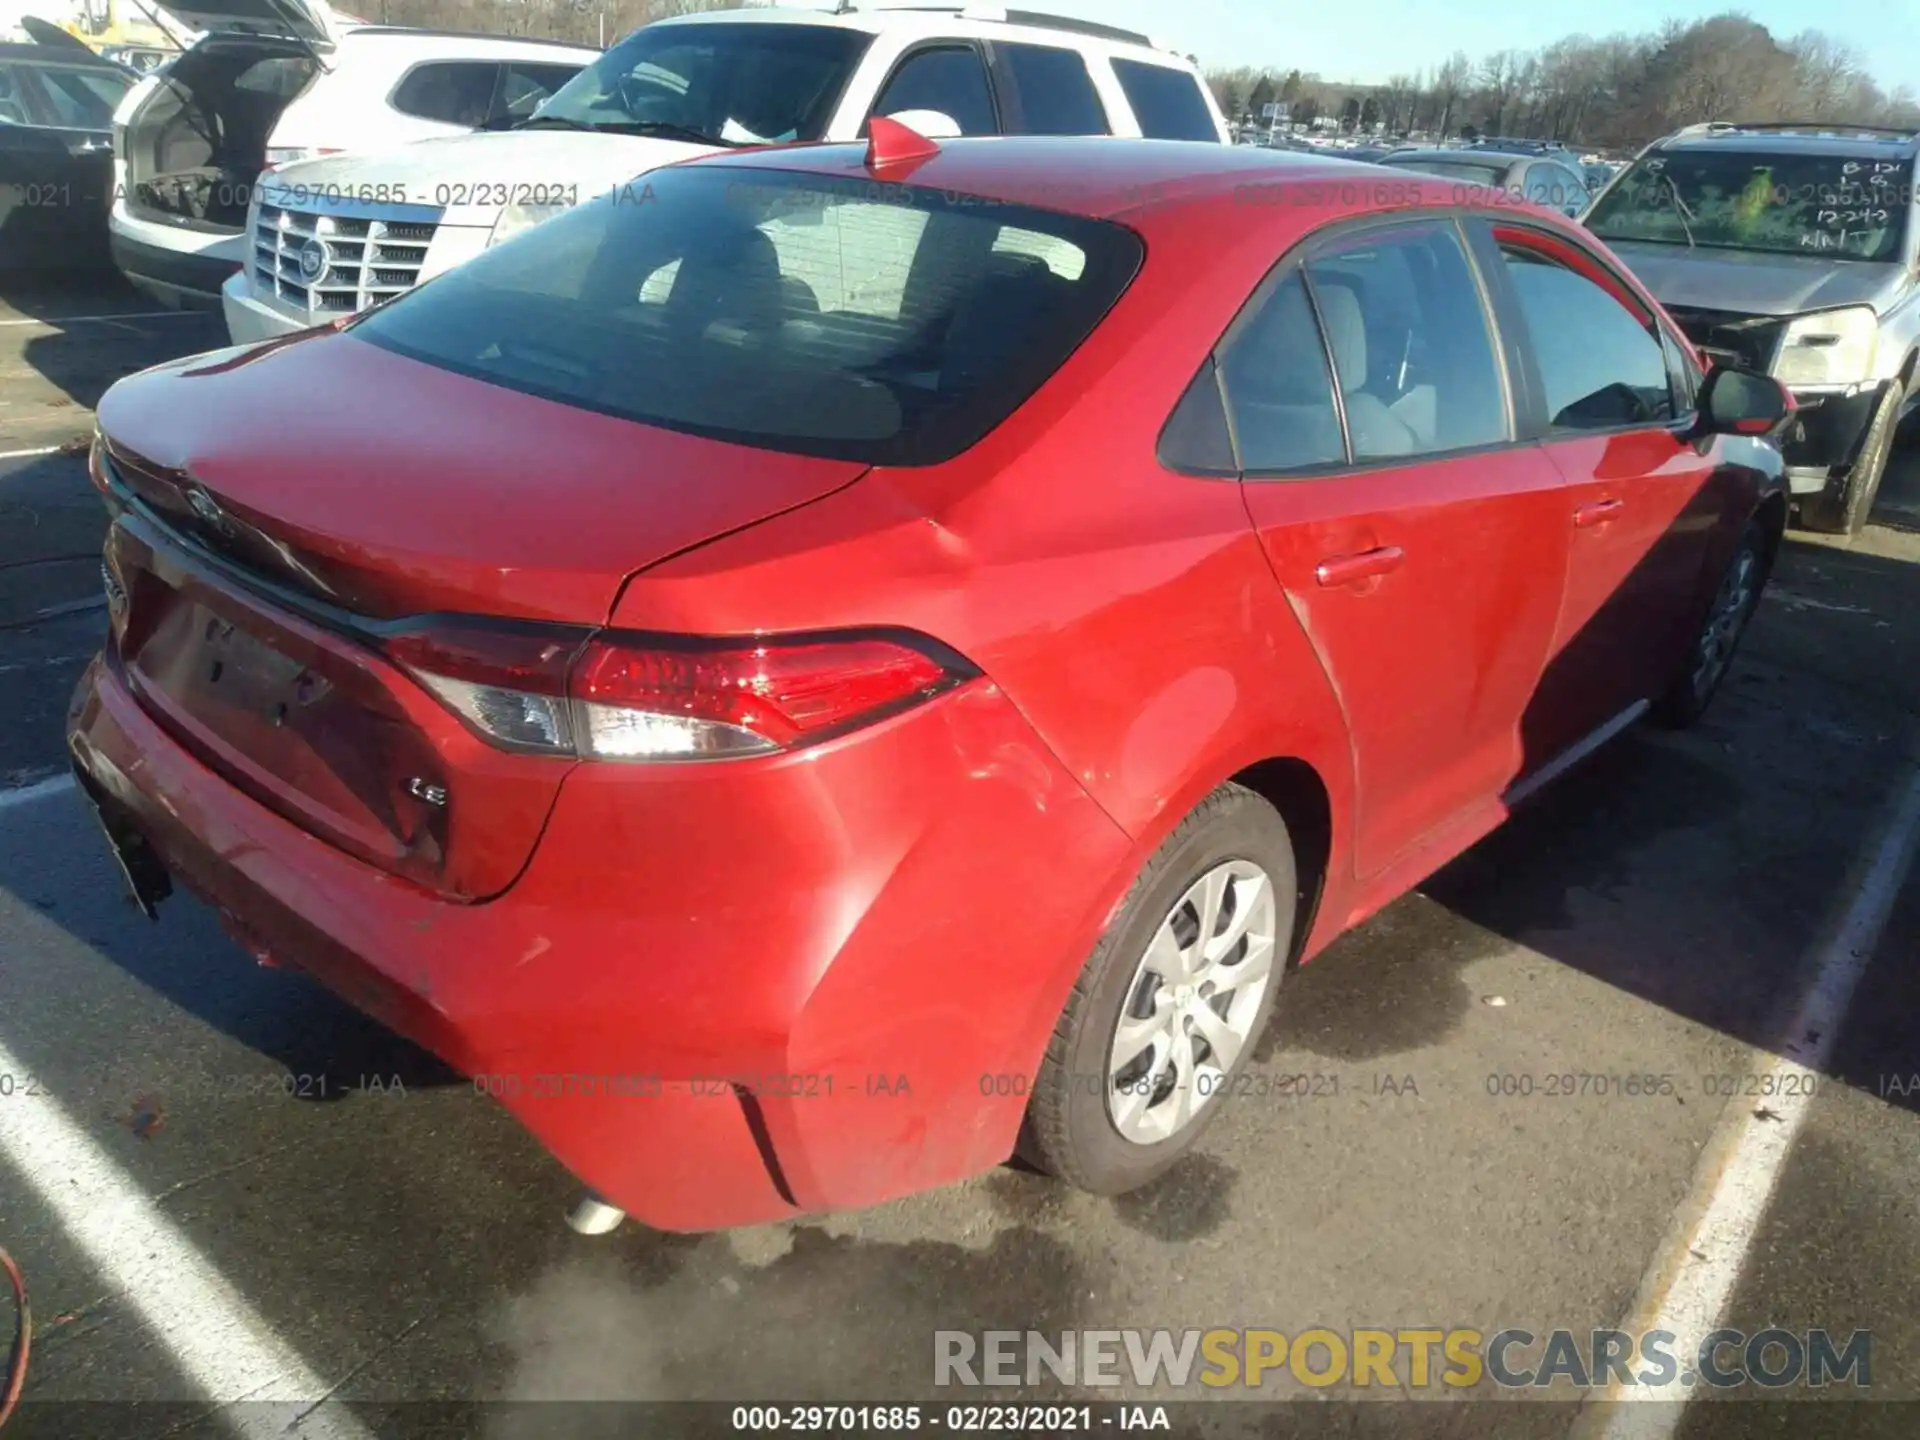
x=1349, y=569
x=1598, y=513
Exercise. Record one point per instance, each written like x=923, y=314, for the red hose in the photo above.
x=22, y=1339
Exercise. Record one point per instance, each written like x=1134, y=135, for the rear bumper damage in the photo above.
x=719, y=994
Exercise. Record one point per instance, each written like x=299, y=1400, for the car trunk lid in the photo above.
x=310, y=22
x=286, y=506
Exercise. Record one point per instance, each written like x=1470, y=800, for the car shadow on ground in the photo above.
x=98, y=330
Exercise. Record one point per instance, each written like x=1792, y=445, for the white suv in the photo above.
x=330, y=237
x=277, y=81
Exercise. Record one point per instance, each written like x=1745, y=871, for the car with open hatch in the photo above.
x=686, y=86
x=883, y=657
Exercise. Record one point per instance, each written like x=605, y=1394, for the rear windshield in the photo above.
x=846, y=318
x=1838, y=207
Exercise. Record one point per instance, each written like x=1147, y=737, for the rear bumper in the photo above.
x=184, y=268
x=719, y=994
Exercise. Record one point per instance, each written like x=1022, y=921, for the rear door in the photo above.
x=1421, y=544
x=1047, y=90
x=947, y=77
x=1640, y=508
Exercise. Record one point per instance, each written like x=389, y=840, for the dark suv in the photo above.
x=1789, y=248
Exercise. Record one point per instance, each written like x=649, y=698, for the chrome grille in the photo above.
x=368, y=252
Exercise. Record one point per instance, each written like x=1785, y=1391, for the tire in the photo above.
x=1711, y=654
x=1846, y=512
x=1105, y=1129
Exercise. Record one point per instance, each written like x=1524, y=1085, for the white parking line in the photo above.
x=29, y=454
x=217, y=1340
x=1690, y=1285
x=39, y=790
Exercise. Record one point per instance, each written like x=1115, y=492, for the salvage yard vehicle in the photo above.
x=1544, y=174
x=56, y=155
x=875, y=659
x=685, y=87
x=273, y=82
x=1790, y=248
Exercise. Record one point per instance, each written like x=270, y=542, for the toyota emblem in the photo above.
x=208, y=509
x=314, y=259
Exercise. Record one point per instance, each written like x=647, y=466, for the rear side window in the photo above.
x=453, y=92
x=1167, y=102
x=793, y=311
x=1411, y=347
x=1278, y=388
x=951, y=80
x=1056, y=92
x=1601, y=365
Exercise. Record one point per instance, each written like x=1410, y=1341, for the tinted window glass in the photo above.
x=1410, y=343
x=524, y=87
x=81, y=99
x=13, y=104
x=1056, y=93
x=782, y=309
x=1167, y=102
x=1601, y=365
x=744, y=83
x=452, y=92
x=1196, y=437
x=952, y=81
x=1279, y=392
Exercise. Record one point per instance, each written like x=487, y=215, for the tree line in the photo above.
x=1618, y=92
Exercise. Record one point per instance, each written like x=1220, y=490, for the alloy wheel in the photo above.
x=1192, y=1004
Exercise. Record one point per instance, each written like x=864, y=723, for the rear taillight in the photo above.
x=611, y=696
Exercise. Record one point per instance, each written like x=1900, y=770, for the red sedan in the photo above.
x=844, y=664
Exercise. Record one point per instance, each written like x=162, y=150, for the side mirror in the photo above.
x=934, y=124
x=1742, y=402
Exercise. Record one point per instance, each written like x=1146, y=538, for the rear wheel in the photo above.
x=1712, y=653
x=1845, y=512
x=1170, y=1003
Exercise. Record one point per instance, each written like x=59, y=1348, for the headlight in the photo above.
x=1834, y=347
x=522, y=216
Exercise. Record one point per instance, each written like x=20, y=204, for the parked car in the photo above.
x=864, y=661
x=1544, y=177
x=265, y=87
x=56, y=154
x=690, y=86
x=1790, y=248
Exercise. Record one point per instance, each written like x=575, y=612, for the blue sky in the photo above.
x=1369, y=40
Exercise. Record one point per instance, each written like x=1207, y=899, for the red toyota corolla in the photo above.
x=838, y=666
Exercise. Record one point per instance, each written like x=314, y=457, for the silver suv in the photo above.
x=1791, y=248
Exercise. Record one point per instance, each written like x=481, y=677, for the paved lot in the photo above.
x=193, y=1235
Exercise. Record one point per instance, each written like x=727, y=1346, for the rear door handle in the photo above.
x=1598, y=513
x=1349, y=569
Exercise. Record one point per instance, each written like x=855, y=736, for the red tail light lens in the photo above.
x=567, y=691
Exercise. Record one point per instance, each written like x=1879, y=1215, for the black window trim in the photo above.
x=1000, y=71
x=1679, y=425
x=1296, y=258
x=995, y=99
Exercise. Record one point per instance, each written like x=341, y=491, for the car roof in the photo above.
x=1495, y=159
x=1094, y=176
x=1804, y=139
x=408, y=32
x=938, y=20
